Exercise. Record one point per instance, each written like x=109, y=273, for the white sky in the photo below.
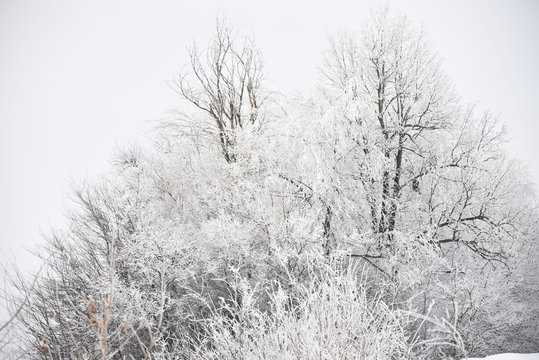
x=79, y=77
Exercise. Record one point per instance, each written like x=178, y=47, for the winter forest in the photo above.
x=374, y=216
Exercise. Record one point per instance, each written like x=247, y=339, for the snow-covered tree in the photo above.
x=203, y=246
x=440, y=200
x=225, y=82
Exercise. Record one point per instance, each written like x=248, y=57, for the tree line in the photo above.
x=373, y=217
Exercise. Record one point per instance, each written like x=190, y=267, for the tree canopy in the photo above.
x=372, y=217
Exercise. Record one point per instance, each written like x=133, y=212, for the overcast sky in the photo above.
x=77, y=78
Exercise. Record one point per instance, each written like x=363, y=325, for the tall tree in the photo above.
x=225, y=82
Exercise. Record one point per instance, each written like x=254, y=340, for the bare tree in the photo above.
x=225, y=81
x=13, y=304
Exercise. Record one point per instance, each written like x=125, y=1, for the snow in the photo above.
x=510, y=356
